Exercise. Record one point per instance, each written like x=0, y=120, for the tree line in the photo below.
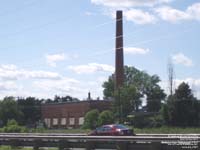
x=26, y=111
x=180, y=108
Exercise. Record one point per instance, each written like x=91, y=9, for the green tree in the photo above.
x=127, y=99
x=164, y=113
x=154, y=94
x=9, y=110
x=31, y=108
x=106, y=117
x=109, y=87
x=183, y=107
x=91, y=119
x=137, y=84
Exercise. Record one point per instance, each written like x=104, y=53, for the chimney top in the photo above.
x=89, y=96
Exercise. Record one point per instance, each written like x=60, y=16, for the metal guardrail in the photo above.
x=138, y=142
x=169, y=134
x=84, y=134
x=85, y=137
x=47, y=134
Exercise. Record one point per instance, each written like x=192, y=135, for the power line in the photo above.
x=65, y=19
x=144, y=42
x=105, y=23
x=50, y=23
x=95, y=27
x=33, y=28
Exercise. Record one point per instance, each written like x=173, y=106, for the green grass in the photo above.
x=168, y=130
x=13, y=148
x=67, y=131
x=22, y=148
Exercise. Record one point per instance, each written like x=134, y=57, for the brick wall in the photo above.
x=70, y=115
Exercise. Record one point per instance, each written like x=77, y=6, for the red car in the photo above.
x=113, y=129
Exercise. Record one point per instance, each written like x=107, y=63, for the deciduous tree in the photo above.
x=137, y=84
x=183, y=107
x=91, y=119
x=9, y=110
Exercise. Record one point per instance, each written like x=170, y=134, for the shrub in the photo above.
x=91, y=119
x=12, y=122
x=156, y=121
x=147, y=121
x=105, y=117
x=13, y=127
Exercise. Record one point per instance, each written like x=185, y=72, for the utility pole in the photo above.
x=171, y=77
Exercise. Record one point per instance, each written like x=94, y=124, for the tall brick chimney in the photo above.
x=119, y=56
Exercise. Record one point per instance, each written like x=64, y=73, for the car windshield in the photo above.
x=119, y=126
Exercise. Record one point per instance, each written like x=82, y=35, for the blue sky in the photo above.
x=61, y=47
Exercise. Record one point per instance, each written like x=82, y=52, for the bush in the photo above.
x=156, y=121
x=13, y=127
x=12, y=122
x=105, y=117
x=147, y=121
x=38, y=130
x=91, y=119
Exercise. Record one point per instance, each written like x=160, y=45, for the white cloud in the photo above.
x=174, y=15
x=135, y=50
x=52, y=59
x=194, y=11
x=69, y=86
x=128, y=3
x=65, y=84
x=11, y=72
x=192, y=82
x=91, y=68
x=139, y=16
x=18, y=82
x=182, y=59
x=7, y=86
x=8, y=67
x=13, y=81
x=42, y=75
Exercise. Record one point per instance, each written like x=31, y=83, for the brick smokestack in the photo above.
x=119, y=56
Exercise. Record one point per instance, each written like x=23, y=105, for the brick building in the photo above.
x=70, y=114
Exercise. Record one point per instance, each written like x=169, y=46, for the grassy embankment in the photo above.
x=13, y=148
x=168, y=130
x=21, y=148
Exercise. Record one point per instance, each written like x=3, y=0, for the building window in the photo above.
x=71, y=121
x=47, y=122
x=81, y=121
x=63, y=121
x=55, y=121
